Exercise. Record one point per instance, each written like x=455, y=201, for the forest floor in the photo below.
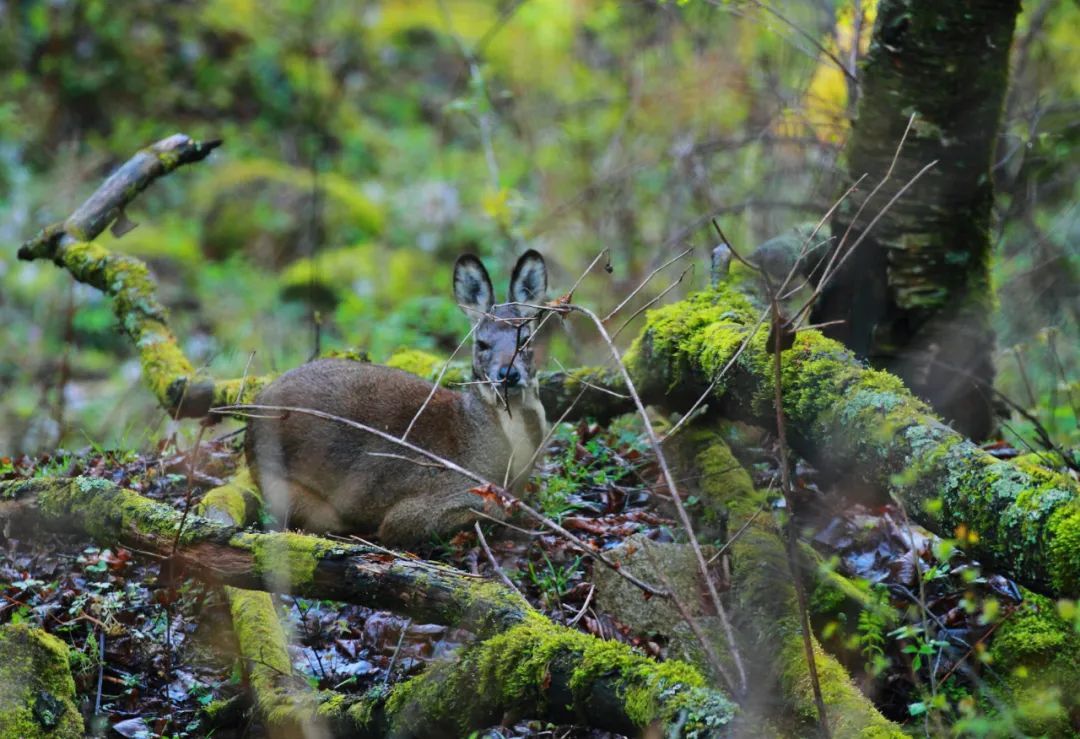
x=152, y=649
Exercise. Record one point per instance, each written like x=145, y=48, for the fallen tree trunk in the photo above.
x=308, y=566
x=864, y=424
x=764, y=594
x=523, y=663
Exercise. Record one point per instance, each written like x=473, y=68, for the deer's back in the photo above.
x=348, y=467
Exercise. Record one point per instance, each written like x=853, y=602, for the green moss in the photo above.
x=109, y=512
x=288, y=555
x=850, y=713
x=864, y=422
x=725, y=483
x=1036, y=652
x=428, y=365
x=283, y=701
x=132, y=291
x=236, y=502
x=512, y=671
x=1063, y=548
x=240, y=390
x=36, y=688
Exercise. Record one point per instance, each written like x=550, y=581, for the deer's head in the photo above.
x=502, y=349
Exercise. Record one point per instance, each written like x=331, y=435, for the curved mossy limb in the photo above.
x=853, y=421
x=37, y=692
x=765, y=598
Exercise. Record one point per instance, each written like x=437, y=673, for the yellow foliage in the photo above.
x=825, y=103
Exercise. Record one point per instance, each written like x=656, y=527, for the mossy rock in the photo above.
x=37, y=692
x=1038, y=653
x=643, y=558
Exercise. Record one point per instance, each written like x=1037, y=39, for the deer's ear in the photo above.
x=529, y=281
x=472, y=286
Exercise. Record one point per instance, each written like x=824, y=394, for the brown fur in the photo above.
x=323, y=476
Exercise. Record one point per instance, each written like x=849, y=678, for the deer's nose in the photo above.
x=509, y=374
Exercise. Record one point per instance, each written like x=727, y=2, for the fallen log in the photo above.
x=863, y=424
x=764, y=595
x=522, y=662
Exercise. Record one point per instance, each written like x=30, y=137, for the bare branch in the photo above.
x=645, y=282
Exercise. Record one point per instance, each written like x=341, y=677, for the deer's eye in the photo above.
x=483, y=346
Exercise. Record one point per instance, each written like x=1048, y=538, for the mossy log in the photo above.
x=765, y=601
x=303, y=565
x=522, y=664
x=283, y=699
x=915, y=297
x=37, y=692
x=864, y=424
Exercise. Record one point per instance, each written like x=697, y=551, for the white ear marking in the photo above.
x=528, y=284
x=472, y=286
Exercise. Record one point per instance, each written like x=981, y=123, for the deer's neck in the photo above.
x=521, y=418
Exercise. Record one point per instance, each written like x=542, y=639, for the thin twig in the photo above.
x=588, y=598
x=397, y=650
x=438, y=381
x=645, y=282
x=491, y=558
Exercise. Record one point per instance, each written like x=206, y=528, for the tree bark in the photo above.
x=915, y=298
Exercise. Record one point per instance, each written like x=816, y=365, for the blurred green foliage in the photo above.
x=369, y=143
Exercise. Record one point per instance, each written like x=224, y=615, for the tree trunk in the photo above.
x=915, y=298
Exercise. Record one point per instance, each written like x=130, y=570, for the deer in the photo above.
x=325, y=476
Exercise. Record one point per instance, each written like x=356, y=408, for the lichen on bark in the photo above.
x=853, y=421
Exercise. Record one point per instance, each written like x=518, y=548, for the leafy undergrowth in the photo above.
x=152, y=652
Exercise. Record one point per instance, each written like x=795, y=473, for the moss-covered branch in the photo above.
x=167, y=372
x=284, y=700
x=303, y=565
x=865, y=423
x=524, y=663
x=765, y=596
